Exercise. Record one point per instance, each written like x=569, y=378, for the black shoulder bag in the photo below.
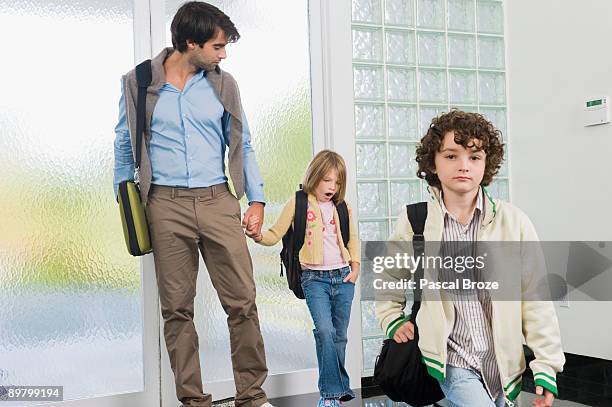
x=399, y=370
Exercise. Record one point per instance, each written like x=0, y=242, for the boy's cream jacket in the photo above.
x=312, y=250
x=534, y=321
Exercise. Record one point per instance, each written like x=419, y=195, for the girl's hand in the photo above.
x=354, y=274
x=256, y=210
x=251, y=227
x=256, y=238
x=253, y=222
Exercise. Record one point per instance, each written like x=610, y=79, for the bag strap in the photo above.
x=417, y=215
x=343, y=216
x=299, y=220
x=143, y=78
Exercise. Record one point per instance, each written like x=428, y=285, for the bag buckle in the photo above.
x=137, y=176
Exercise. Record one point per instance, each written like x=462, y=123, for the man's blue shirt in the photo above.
x=189, y=135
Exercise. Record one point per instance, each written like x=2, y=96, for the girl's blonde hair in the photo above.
x=320, y=165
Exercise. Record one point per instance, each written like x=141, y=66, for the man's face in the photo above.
x=460, y=169
x=211, y=54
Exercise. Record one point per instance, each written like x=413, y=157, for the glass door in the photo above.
x=75, y=309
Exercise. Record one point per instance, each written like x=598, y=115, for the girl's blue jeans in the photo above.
x=329, y=300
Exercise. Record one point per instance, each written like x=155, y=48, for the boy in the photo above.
x=474, y=347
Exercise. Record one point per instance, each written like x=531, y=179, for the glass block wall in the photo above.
x=412, y=60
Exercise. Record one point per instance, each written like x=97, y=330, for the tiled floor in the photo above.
x=310, y=400
x=586, y=380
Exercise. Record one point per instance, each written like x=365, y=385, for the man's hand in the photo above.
x=253, y=228
x=546, y=401
x=404, y=333
x=354, y=274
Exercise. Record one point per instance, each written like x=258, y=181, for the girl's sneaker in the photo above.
x=328, y=403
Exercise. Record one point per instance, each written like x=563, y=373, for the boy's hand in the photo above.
x=548, y=399
x=404, y=333
x=354, y=274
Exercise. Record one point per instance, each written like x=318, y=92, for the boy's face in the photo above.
x=211, y=54
x=327, y=187
x=459, y=169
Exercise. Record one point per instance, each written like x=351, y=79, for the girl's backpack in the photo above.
x=294, y=240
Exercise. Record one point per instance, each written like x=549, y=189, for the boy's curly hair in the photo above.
x=467, y=127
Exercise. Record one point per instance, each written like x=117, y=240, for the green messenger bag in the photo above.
x=133, y=218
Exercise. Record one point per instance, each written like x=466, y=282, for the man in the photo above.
x=193, y=112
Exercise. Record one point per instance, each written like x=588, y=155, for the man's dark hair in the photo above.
x=198, y=21
x=467, y=127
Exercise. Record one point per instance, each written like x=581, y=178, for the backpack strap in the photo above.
x=143, y=78
x=299, y=220
x=417, y=215
x=343, y=215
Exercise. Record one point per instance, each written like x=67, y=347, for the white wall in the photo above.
x=558, y=56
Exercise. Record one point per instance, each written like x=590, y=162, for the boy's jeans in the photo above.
x=464, y=388
x=329, y=301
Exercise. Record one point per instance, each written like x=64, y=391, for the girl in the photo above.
x=474, y=346
x=329, y=269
